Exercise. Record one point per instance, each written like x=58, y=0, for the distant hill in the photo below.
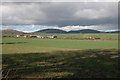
x=50, y=31
x=61, y=31
x=10, y=31
x=113, y=32
x=85, y=31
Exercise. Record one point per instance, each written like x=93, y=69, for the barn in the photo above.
x=32, y=36
x=51, y=36
x=19, y=36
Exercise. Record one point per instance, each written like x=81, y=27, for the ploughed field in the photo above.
x=59, y=58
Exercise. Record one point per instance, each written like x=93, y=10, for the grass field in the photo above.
x=22, y=45
x=59, y=58
x=62, y=64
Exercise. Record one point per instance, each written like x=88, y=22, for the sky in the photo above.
x=30, y=16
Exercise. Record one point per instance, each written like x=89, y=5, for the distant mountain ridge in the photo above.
x=114, y=32
x=85, y=31
x=50, y=31
x=73, y=31
x=10, y=31
x=61, y=31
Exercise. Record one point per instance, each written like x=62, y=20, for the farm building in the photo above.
x=40, y=37
x=25, y=36
x=34, y=36
x=51, y=36
x=90, y=37
x=19, y=36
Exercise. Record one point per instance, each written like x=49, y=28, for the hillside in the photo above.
x=114, y=32
x=85, y=31
x=61, y=31
x=51, y=31
x=10, y=31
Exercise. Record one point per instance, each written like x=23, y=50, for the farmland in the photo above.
x=81, y=35
x=23, y=45
x=60, y=58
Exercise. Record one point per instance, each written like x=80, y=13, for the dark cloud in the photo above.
x=60, y=14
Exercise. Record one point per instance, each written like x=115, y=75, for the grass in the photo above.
x=25, y=58
x=22, y=45
x=62, y=64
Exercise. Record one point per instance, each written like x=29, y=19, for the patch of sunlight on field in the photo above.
x=49, y=75
x=60, y=74
x=26, y=49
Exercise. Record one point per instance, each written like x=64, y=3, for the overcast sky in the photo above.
x=33, y=16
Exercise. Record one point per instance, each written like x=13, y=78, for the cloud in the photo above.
x=62, y=15
x=60, y=0
x=95, y=27
x=7, y=27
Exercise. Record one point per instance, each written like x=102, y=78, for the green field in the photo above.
x=62, y=64
x=34, y=58
x=23, y=45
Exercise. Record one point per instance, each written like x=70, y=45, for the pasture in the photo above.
x=29, y=45
x=61, y=64
x=32, y=58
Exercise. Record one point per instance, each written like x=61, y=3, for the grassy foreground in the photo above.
x=59, y=58
x=62, y=64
